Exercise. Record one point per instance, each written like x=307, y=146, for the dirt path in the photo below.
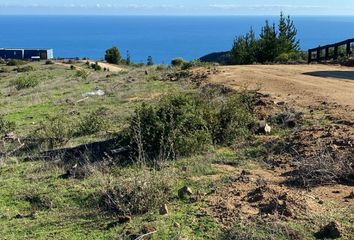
x=111, y=67
x=304, y=84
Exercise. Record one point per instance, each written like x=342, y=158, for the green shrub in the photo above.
x=96, y=66
x=173, y=128
x=26, y=81
x=6, y=126
x=235, y=119
x=49, y=62
x=150, y=61
x=185, y=124
x=113, y=55
x=282, y=58
x=92, y=123
x=25, y=69
x=15, y=62
x=52, y=132
x=82, y=74
x=177, y=62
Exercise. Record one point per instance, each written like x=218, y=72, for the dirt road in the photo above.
x=111, y=67
x=305, y=84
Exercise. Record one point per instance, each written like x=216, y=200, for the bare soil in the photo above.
x=304, y=85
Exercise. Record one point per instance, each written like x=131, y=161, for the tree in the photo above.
x=128, y=58
x=287, y=35
x=150, y=62
x=268, y=44
x=244, y=49
x=113, y=55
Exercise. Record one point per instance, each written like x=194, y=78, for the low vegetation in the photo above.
x=25, y=81
x=162, y=151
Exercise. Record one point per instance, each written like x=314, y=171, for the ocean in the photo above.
x=161, y=37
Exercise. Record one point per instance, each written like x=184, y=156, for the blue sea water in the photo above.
x=164, y=38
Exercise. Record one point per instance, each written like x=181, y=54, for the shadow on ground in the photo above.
x=348, y=75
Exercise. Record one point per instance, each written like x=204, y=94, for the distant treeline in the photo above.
x=276, y=43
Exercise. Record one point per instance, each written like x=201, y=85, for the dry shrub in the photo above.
x=137, y=195
x=53, y=132
x=260, y=230
x=322, y=169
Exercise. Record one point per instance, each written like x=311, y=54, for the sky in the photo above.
x=180, y=7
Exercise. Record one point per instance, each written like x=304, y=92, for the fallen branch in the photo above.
x=145, y=235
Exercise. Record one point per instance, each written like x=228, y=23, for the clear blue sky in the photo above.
x=180, y=7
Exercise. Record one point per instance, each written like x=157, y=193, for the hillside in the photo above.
x=138, y=152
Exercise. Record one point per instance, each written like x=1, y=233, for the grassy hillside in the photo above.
x=222, y=175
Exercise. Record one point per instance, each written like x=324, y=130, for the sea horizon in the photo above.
x=162, y=37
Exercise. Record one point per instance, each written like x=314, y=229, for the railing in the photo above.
x=316, y=54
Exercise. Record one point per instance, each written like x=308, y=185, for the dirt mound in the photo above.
x=250, y=196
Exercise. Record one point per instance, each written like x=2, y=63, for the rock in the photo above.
x=263, y=127
x=332, y=230
x=245, y=173
x=94, y=93
x=164, y=209
x=350, y=196
x=267, y=129
x=280, y=103
x=183, y=192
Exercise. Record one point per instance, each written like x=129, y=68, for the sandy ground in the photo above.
x=111, y=67
x=306, y=84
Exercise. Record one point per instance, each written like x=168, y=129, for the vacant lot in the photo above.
x=307, y=85
x=204, y=161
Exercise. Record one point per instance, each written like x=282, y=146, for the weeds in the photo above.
x=53, y=132
x=26, y=81
x=83, y=74
x=6, y=126
x=144, y=192
x=92, y=123
x=25, y=69
x=323, y=169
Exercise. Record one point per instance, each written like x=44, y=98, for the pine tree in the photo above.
x=268, y=44
x=128, y=58
x=150, y=62
x=294, y=44
x=244, y=49
x=287, y=35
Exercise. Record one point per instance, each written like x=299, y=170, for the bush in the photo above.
x=235, y=119
x=25, y=69
x=15, y=62
x=177, y=62
x=185, y=124
x=323, y=169
x=82, y=74
x=150, y=61
x=282, y=58
x=26, y=81
x=5, y=126
x=96, y=66
x=113, y=55
x=137, y=195
x=49, y=62
x=92, y=123
x=173, y=128
x=52, y=132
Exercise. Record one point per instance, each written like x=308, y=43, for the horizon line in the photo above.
x=178, y=15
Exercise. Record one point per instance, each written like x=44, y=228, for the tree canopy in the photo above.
x=113, y=55
x=272, y=43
